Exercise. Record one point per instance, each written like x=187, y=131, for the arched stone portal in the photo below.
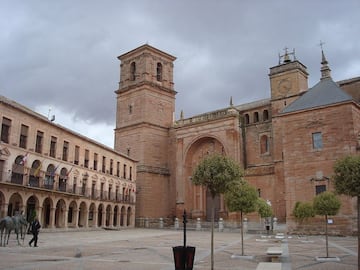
x=122, y=216
x=115, y=216
x=92, y=215
x=196, y=199
x=46, y=219
x=100, y=215
x=60, y=214
x=83, y=215
x=72, y=212
x=15, y=204
x=32, y=206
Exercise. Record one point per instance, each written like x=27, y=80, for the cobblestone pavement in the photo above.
x=150, y=249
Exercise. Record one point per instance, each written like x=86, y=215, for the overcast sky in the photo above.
x=60, y=57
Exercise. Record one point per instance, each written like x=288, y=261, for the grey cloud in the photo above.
x=63, y=53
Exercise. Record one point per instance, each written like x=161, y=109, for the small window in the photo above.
x=130, y=109
x=320, y=189
x=264, y=144
x=265, y=115
x=86, y=159
x=132, y=71
x=53, y=146
x=110, y=196
x=95, y=161
x=159, y=72
x=118, y=169
x=103, y=169
x=111, y=166
x=65, y=151
x=247, y=119
x=39, y=142
x=23, y=136
x=317, y=140
x=77, y=154
x=124, y=172
x=256, y=117
x=5, y=129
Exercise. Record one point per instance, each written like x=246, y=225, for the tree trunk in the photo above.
x=212, y=232
x=242, y=233
x=326, y=236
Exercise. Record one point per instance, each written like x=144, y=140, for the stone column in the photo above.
x=201, y=206
x=66, y=213
x=103, y=221
x=95, y=218
x=76, y=210
x=26, y=176
x=86, y=216
x=52, y=217
x=111, y=221
x=5, y=209
x=39, y=214
x=118, y=218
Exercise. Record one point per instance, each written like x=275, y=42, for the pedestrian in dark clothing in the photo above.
x=35, y=228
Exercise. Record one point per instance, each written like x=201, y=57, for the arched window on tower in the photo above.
x=264, y=144
x=256, y=117
x=132, y=71
x=159, y=72
x=265, y=115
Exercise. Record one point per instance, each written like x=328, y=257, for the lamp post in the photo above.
x=184, y=221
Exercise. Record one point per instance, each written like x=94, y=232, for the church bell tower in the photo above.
x=144, y=115
x=288, y=80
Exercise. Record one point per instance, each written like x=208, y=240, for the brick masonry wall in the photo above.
x=303, y=165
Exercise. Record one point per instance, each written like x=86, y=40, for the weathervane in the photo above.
x=286, y=56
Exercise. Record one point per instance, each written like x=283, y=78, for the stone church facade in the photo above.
x=287, y=144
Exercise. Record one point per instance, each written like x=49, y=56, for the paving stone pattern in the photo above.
x=151, y=249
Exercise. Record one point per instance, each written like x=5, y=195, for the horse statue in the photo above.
x=18, y=223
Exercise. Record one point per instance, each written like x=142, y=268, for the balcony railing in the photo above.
x=91, y=193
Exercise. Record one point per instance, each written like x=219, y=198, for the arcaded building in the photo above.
x=287, y=144
x=64, y=178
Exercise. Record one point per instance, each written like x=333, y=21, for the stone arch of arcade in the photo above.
x=196, y=198
x=57, y=212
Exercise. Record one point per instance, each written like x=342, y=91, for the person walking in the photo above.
x=35, y=228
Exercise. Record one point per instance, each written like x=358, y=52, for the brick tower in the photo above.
x=144, y=115
x=288, y=80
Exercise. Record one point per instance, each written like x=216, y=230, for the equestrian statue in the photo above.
x=18, y=223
